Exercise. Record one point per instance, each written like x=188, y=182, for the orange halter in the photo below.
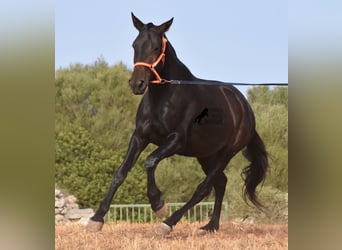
x=153, y=66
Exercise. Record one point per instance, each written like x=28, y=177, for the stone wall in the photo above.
x=67, y=210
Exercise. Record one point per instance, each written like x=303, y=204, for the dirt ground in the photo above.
x=142, y=236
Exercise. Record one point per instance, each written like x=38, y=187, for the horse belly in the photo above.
x=206, y=140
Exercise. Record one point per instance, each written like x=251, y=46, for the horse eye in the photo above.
x=156, y=49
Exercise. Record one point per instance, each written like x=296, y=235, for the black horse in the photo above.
x=211, y=122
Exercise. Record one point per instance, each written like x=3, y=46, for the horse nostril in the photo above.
x=141, y=84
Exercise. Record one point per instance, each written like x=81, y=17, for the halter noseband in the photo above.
x=153, y=66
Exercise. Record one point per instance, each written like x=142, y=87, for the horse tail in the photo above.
x=255, y=172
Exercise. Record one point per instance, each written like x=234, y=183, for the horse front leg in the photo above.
x=170, y=147
x=136, y=146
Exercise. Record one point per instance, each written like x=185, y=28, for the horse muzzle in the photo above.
x=138, y=86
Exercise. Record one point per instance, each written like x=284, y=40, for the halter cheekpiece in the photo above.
x=153, y=66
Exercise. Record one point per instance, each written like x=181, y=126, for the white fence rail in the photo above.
x=142, y=213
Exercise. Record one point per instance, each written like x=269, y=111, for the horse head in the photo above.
x=149, y=52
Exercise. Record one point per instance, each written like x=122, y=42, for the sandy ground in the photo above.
x=184, y=236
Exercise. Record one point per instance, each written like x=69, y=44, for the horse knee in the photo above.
x=151, y=162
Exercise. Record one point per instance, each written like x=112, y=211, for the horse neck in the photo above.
x=174, y=69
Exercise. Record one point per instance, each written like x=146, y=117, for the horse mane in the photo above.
x=171, y=52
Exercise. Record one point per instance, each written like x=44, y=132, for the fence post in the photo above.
x=225, y=209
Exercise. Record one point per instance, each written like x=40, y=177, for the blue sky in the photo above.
x=236, y=41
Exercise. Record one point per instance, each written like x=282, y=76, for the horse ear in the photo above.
x=137, y=23
x=165, y=26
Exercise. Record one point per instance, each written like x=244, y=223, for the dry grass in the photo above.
x=142, y=236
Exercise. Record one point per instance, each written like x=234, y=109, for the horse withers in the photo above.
x=211, y=122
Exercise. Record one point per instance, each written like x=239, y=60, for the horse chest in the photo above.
x=156, y=123
x=160, y=126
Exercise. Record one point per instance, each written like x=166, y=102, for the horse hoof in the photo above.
x=164, y=211
x=201, y=232
x=163, y=229
x=94, y=226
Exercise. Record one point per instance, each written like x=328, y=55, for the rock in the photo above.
x=73, y=205
x=57, y=192
x=67, y=210
x=64, y=210
x=83, y=221
x=58, y=210
x=59, y=218
x=71, y=199
x=77, y=213
x=60, y=202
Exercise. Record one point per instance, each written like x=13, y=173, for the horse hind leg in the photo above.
x=217, y=164
x=219, y=184
x=203, y=190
